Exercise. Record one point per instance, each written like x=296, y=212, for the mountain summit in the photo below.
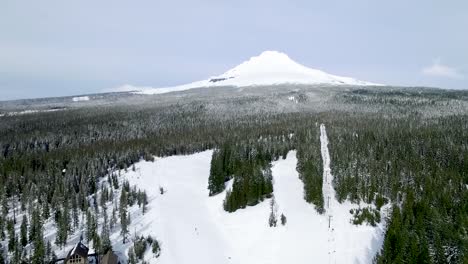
x=268, y=68
x=273, y=67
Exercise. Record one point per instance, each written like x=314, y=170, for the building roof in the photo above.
x=110, y=258
x=79, y=249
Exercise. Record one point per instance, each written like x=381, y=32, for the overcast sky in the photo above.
x=54, y=48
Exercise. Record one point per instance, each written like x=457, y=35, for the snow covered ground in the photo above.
x=269, y=68
x=80, y=98
x=193, y=227
x=27, y=112
x=345, y=240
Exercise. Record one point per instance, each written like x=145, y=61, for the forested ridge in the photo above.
x=420, y=165
x=406, y=147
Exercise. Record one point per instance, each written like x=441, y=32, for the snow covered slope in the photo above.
x=269, y=68
x=193, y=227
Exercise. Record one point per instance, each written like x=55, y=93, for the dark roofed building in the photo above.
x=110, y=258
x=78, y=255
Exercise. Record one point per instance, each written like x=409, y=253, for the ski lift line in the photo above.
x=327, y=193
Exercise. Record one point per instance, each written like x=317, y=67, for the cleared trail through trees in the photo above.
x=328, y=194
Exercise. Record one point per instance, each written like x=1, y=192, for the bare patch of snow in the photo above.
x=292, y=99
x=27, y=112
x=80, y=98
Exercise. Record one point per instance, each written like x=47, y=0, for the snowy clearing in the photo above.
x=193, y=227
x=80, y=98
x=27, y=112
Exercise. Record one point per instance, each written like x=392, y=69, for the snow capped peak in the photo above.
x=268, y=68
x=267, y=62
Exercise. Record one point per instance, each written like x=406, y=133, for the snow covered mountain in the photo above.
x=269, y=68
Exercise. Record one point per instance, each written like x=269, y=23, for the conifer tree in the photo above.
x=24, y=231
x=106, y=242
x=63, y=226
x=113, y=219
x=124, y=217
x=131, y=256
x=46, y=210
x=75, y=213
x=217, y=175
x=12, y=239
x=156, y=248
x=2, y=228
x=283, y=219
x=2, y=257
x=48, y=253
x=144, y=202
x=272, y=220
x=39, y=249
x=17, y=251
x=35, y=225
x=90, y=226
x=97, y=243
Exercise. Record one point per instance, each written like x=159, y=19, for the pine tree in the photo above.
x=131, y=256
x=423, y=254
x=228, y=203
x=17, y=251
x=113, y=219
x=39, y=249
x=24, y=231
x=104, y=195
x=49, y=256
x=46, y=210
x=2, y=258
x=272, y=219
x=97, y=244
x=12, y=239
x=35, y=225
x=124, y=218
x=90, y=226
x=115, y=181
x=156, y=248
x=144, y=202
x=75, y=213
x=106, y=242
x=63, y=226
x=217, y=178
x=2, y=228
x=283, y=219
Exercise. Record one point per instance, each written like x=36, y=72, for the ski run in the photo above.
x=192, y=227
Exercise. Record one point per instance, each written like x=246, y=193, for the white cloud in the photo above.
x=437, y=69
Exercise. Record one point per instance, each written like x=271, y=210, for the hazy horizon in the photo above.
x=54, y=48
